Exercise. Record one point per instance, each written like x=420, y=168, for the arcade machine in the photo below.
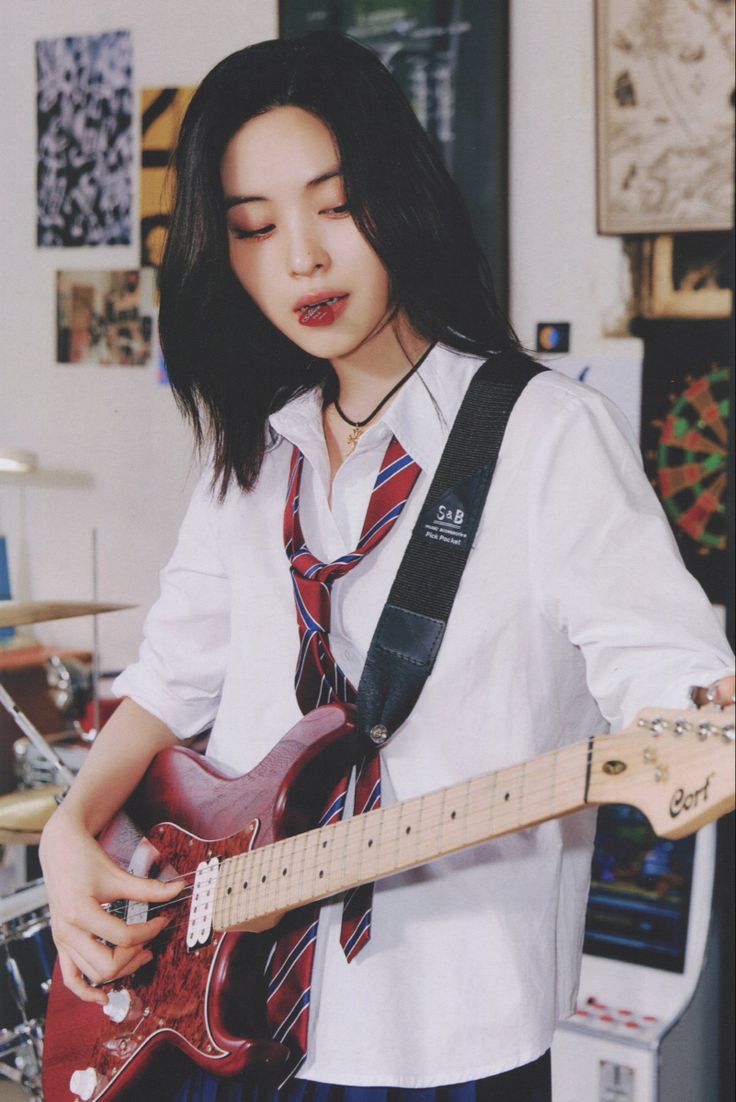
x=646, y=1027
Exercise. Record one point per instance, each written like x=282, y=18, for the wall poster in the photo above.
x=665, y=115
x=162, y=111
x=104, y=317
x=85, y=140
x=451, y=61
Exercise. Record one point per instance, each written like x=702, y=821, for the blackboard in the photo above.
x=450, y=57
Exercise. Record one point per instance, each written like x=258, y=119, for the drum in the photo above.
x=27, y=957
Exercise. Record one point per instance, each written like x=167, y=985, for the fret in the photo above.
x=281, y=874
x=334, y=858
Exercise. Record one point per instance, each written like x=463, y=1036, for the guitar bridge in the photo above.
x=199, y=929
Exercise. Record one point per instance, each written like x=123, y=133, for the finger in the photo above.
x=90, y=917
x=127, y=886
x=75, y=982
x=720, y=694
x=101, y=964
x=127, y=935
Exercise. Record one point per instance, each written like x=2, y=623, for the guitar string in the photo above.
x=345, y=842
x=435, y=795
x=525, y=796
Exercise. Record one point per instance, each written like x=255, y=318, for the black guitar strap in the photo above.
x=411, y=627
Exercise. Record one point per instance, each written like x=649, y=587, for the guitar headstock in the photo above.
x=677, y=767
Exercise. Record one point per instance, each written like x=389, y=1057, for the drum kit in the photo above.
x=45, y=767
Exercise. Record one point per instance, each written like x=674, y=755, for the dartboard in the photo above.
x=692, y=460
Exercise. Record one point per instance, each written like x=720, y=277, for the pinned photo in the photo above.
x=105, y=317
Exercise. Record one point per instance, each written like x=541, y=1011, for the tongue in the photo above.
x=321, y=311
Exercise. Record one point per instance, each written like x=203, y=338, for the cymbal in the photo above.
x=15, y=613
x=23, y=815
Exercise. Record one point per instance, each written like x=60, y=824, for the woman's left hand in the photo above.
x=720, y=693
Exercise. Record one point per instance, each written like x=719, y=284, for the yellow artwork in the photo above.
x=162, y=110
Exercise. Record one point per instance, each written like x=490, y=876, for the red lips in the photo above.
x=321, y=307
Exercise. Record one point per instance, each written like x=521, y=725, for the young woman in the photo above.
x=323, y=301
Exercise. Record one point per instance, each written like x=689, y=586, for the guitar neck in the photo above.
x=328, y=860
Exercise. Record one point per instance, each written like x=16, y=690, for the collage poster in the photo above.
x=104, y=318
x=85, y=140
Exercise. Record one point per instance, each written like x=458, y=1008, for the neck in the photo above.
x=365, y=376
x=368, y=373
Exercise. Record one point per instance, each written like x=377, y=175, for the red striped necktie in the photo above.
x=319, y=680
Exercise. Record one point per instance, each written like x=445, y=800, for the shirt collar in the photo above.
x=420, y=417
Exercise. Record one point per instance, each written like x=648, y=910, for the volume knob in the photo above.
x=118, y=1004
x=83, y=1083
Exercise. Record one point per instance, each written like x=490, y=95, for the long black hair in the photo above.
x=228, y=365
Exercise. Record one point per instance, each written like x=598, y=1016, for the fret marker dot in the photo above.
x=245, y=885
x=229, y=891
x=321, y=873
x=284, y=872
x=453, y=814
x=263, y=879
x=408, y=830
x=324, y=845
x=506, y=797
x=370, y=842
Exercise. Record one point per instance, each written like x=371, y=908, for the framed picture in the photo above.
x=451, y=61
x=665, y=144
x=687, y=276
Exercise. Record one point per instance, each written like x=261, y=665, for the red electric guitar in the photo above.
x=245, y=845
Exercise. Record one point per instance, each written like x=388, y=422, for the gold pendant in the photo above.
x=354, y=437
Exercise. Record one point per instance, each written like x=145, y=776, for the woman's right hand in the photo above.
x=94, y=946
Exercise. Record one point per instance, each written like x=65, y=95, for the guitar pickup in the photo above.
x=199, y=928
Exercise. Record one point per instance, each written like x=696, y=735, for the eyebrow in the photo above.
x=237, y=200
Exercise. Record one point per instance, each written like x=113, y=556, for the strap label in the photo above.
x=447, y=521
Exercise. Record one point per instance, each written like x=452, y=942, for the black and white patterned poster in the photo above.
x=85, y=140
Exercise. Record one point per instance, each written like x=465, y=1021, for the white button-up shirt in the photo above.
x=574, y=611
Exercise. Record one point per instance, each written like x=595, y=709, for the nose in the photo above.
x=306, y=252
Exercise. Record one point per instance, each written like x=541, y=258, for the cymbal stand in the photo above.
x=35, y=736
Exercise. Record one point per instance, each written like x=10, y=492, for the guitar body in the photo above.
x=207, y=1001
x=203, y=993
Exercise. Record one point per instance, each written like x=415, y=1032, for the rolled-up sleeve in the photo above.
x=612, y=577
x=182, y=661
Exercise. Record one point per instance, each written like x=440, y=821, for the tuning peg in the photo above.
x=727, y=732
x=656, y=724
x=682, y=727
x=705, y=729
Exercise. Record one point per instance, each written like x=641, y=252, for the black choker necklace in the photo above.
x=358, y=426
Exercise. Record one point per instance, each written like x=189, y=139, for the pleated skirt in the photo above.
x=530, y=1083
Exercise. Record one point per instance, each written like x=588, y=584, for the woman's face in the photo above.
x=292, y=241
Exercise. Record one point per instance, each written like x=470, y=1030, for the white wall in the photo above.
x=112, y=451
x=560, y=269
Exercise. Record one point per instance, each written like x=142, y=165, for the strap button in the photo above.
x=378, y=734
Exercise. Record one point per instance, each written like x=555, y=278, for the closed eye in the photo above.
x=248, y=235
